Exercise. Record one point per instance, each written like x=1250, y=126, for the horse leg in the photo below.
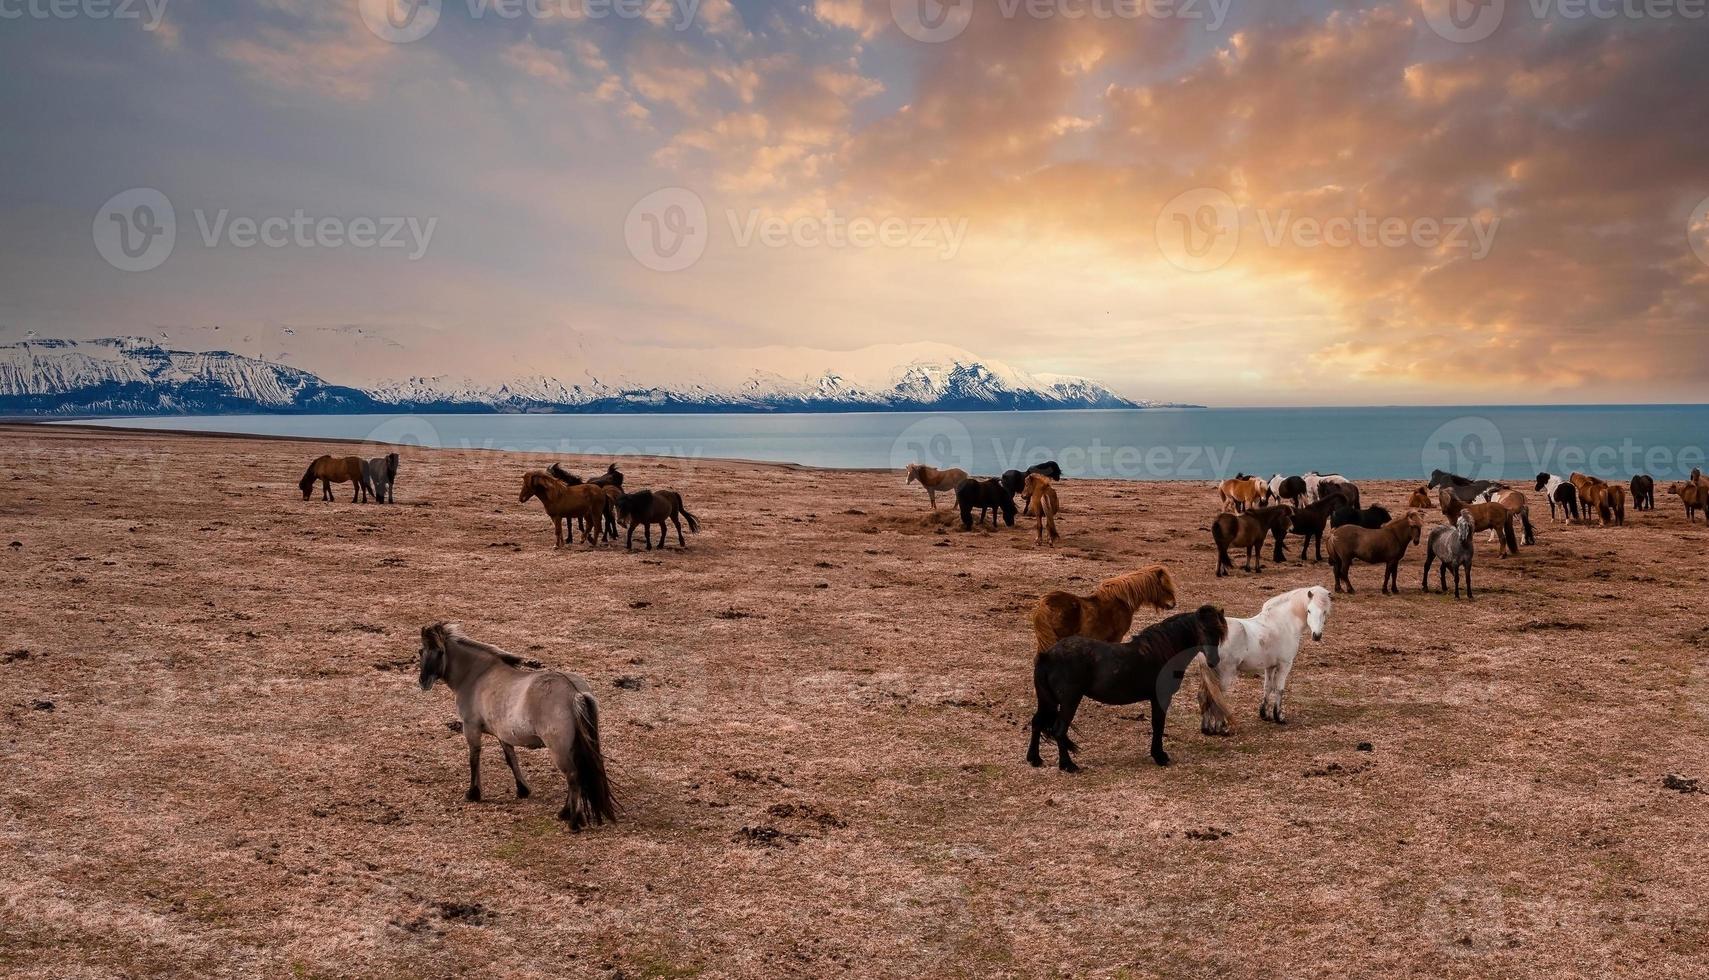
x=680, y=543
x=1468, y=582
x=473, y=734
x=629, y=541
x=1425, y=584
x=1159, y=713
x=664, y=530
x=1064, y=718
x=515, y=770
x=1280, y=685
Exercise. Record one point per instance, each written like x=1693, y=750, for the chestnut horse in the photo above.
x=1247, y=531
x=1242, y=492
x=565, y=502
x=1485, y=517
x=1107, y=613
x=1609, y=499
x=1694, y=496
x=1043, y=505
x=1386, y=546
x=337, y=469
x=934, y=480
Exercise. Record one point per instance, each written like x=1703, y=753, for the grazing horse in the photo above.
x=1042, y=504
x=1485, y=517
x=1309, y=523
x=649, y=507
x=1643, y=492
x=1516, y=504
x=383, y=476
x=1247, y=531
x=1559, y=492
x=337, y=469
x=1693, y=496
x=934, y=480
x=1386, y=546
x=1452, y=546
x=1242, y=492
x=1107, y=613
x=564, y=502
x=990, y=497
x=1148, y=667
x=1372, y=517
x=1609, y=499
x=522, y=708
x=1289, y=488
x=1263, y=646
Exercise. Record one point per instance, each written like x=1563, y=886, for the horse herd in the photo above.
x=1079, y=650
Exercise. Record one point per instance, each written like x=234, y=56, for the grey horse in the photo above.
x=1452, y=546
x=382, y=474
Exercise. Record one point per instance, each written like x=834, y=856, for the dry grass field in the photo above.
x=217, y=761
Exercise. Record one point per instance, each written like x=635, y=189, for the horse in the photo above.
x=1372, y=517
x=382, y=476
x=1643, y=492
x=1264, y=646
x=1582, y=482
x=1277, y=519
x=337, y=469
x=1559, y=492
x=1289, y=488
x=565, y=502
x=1242, y=492
x=1420, y=500
x=1462, y=488
x=1042, y=505
x=1148, y=667
x=1386, y=545
x=1485, y=517
x=1309, y=523
x=1452, y=546
x=1516, y=504
x=1609, y=499
x=557, y=470
x=1318, y=485
x=1248, y=531
x=1013, y=481
x=522, y=708
x=1046, y=468
x=1107, y=613
x=1694, y=496
x=989, y=496
x=649, y=507
x=934, y=480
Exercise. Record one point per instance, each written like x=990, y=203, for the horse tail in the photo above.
x=1221, y=540
x=1530, y=533
x=1211, y=699
x=693, y=524
x=1508, y=536
x=1044, y=719
x=1043, y=623
x=599, y=804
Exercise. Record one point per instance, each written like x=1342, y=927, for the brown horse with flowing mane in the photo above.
x=1043, y=505
x=565, y=502
x=1385, y=546
x=935, y=480
x=337, y=469
x=1107, y=613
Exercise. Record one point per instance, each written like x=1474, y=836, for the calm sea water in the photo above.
x=1512, y=443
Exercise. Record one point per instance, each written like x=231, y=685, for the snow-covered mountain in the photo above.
x=133, y=376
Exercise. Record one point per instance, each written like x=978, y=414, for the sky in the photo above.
x=1218, y=201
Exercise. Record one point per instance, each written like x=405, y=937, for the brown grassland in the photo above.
x=217, y=761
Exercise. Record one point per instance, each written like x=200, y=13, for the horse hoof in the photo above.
x=473, y=796
x=1161, y=758
x=523, y=792
x=1067, y=765
x=1035, y=761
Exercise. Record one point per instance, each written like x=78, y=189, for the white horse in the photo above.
x=1317, y=483
x=1265, y=646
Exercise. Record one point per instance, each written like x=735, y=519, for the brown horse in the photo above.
x=644, y=508
x=337, y=469
x=1694, y=496
x=1248, y=531
x=1609, y=499
x=1420, y=500
x=934, y=480
x=1485, y=517
x=1107, y=613
x=1385, y=545
x=565, y=502
x=1043, y=505
x=1242, y=492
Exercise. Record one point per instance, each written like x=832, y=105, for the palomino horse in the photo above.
x=337, y=469
x=1042, y=505
x=522, y=708
x=566, y=503
x=1148, y=667
x=1385, y=546
x=1242, y=492
x=649, y=507
x=1452, y=546
x=1485, y=517
x=382, y=476
x=935, y=480
x=1107, y=613
x=1560, y=493
x=1263, y=646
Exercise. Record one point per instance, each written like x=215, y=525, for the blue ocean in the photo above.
x=1506, y=442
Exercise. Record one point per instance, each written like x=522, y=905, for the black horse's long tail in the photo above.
x=1222, y=558
x=1044, y=719
x=599, y=804
x=1530, y=533
x=693, y=523
x=1507, y=533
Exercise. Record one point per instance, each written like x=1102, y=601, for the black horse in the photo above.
x=1276, y=518
x=1462, y=488
x=1150, y=666
x=1643, y=492
x=1372, y=517
x=1048, y=468
x=1291, y=489
x=1310, y=521
x=649, y=507
x=1013, y=481
x=990, y=496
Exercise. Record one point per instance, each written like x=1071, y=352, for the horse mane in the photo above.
x=557, y=470
x=1150, y=586
x=446, y=631
x=1167, y=637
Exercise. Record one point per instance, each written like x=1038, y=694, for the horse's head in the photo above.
x=913, y=474
x=530, y=487
x=433, y=654
x=1165, y=589
x=1317, y=606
